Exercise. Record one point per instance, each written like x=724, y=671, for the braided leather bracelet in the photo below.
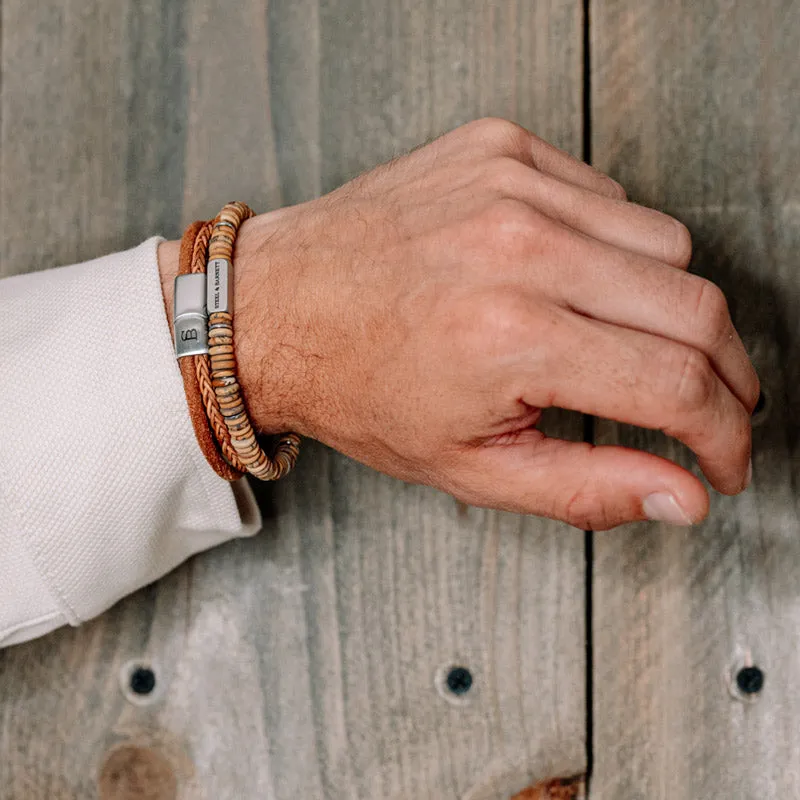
x=194, y=369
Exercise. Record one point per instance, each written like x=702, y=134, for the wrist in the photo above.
x=271, y=365
x=267, y=370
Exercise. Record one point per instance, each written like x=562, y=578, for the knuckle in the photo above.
x=500, y=135
x=712, y=317
x=509, y=222
x=580, y=510
x=678, y=245
x=588, y=508
x=754, y=393
x=505, y=175
x=615, y=189
x=695, y=382
x=742, y=427
x=501, y=319
x=733, y=439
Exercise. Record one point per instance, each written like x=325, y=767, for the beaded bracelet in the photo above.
x=223, y=356
x=203, y=322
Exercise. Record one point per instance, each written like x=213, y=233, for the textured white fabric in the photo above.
x=103, y=487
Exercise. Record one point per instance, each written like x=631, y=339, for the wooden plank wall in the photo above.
x=695, y=110
x=302, y=663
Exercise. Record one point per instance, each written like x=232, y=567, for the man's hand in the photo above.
x=420, y=317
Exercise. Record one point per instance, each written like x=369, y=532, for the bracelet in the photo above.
x=203, y=326
x=222, y=354
x=191, y=339
x=203, y=366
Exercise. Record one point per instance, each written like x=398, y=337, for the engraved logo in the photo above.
x=189, y=336
x=216, y=285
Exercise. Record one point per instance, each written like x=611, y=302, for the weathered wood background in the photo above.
x=306, y=663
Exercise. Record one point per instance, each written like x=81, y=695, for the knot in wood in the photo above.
x=132, y=772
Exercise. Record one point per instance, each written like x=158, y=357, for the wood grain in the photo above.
x=695, y=111
x=309, y=661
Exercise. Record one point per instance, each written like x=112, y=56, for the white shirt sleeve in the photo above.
x=103, y=487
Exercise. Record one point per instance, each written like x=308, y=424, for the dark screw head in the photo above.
x=459, y=680
x=760, y=403
x=750, y=680
x=143, y=680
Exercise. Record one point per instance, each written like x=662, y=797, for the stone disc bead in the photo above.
x=222, y=363
x=231, y=390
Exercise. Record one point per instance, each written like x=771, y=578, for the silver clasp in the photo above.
x=190, y=321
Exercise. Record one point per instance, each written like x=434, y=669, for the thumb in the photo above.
x=592, y=488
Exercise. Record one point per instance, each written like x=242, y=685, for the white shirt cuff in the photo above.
x=105, y=486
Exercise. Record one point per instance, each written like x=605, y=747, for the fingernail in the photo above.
x=749, y=477
x=663, y=507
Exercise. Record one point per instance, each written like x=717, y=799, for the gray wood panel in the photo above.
x=695, y=110
x=304, y=662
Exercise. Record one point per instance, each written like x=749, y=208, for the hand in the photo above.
x=420, y=317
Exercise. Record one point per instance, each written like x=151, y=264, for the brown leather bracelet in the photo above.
x=192, y=367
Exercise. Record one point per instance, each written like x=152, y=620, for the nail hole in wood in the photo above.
x=143, y=681
x=750, y=680
x=456, y=684
x=459, y=681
